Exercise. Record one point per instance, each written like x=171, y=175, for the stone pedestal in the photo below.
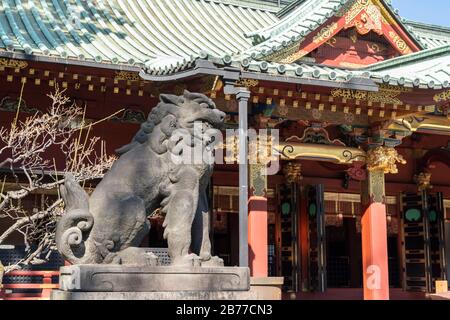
x=440, y=296
x=181, y=295
x=267, y=288
x=121, y=282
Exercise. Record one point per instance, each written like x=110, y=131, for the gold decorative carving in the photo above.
x=354, y=38
x=390, y=88
x=331, y=42
x=289, y=150
x=14, y=64
x=314, y=135
x=385, y=15
x=423, y=181
x=349, y=94
x=400, y=43
x=386, y=95
x=352, y=8
x=375, y=47
x=374, y=188
x=293, y=172
x=127, y=75
x=284, y=54
x=248, y=83
x=428, y=124
x=384, y=159
x=260, y=151
x=258, y=180
x=443, y=96
x=294, y=57
x=326, y=33
x=365, y=16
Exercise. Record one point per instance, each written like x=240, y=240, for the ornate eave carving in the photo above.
x=14, y=64
x=384, y=159
x=127, y=75
x=442, y=97
x=387, y=94
x=293, y=172
x=362, y=15
x=318, y=152
x=423, y=181
x=316, y=135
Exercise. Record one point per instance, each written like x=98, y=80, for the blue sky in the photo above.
x=428, y=11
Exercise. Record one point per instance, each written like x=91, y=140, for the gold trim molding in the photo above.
x=12, y=63
x=336, y=154
x=387, y=95
x=127, y=75
x=442, y=97
x=248, y=83
x=326, y=33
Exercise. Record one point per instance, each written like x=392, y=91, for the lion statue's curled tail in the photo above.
x=76, y=222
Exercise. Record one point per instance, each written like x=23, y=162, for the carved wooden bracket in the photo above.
x=384, y=159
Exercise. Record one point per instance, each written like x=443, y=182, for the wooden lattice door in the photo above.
x=317, y=258
x=423, y=241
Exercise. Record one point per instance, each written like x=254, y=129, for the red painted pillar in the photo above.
x=257, y=236
x=374, y=230
x=375, y=253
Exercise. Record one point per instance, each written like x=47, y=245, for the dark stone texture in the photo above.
x=117, y=278
x=182, y=295
x=103, y=228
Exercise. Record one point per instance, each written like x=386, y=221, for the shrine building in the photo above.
x=360, y=97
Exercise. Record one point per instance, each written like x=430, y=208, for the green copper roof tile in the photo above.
x=135, y=31
x=131, y=32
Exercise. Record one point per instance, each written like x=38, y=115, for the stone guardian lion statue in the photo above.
x=108, y=226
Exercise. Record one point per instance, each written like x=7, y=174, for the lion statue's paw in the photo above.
x=190, y=260
x=138, y=256
x=213, y=262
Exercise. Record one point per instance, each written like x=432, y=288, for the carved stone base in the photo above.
x=145, y=279
x=180, y=295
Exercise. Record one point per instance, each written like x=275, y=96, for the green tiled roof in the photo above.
x=426, y=69
x=132, y=31
x=167, y=36
x=288, y=70
x=431, y=36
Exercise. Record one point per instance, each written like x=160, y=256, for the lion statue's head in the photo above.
x=172, y=113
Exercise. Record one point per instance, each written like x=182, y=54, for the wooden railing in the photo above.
x=8, y=291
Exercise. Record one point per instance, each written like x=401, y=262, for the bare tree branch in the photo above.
x=30, y=148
